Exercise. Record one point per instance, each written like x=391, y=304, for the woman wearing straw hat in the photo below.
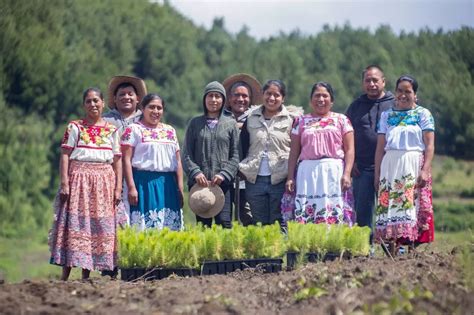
x=152, y=169
x=243, y=90
x=211, y=154
x=83, y=233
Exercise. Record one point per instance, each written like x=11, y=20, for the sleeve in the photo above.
x=189, y=165
x=230, y=167
x=346, y=125
x=382, y=123
x=71, y=135
x=244, y=140
x=296, y=129
x=116, y=143
x=128, y=137
x=176, y=141
x=427, y=121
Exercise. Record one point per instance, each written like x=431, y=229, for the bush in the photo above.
x=452, y=217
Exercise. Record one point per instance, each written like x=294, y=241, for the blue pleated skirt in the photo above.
x=158, y=201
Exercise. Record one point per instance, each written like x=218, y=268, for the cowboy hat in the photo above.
x=137, y=83
x=206, y=202
x=255, y=86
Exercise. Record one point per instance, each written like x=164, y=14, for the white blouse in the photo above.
x=403, y=129
x=154, y=148
x=91, y=143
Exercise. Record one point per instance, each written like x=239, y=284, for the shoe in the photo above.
x=401, y=250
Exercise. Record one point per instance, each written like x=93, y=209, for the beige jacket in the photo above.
x=276, y=138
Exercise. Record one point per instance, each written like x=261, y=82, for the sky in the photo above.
x=265, y=18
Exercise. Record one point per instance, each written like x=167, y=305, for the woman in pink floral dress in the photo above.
x=152, y=169
x=405, y=149
x=83, y=233
x=323, y=144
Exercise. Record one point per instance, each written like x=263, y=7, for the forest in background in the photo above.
x=50, y=51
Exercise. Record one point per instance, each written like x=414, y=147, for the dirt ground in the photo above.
x=428, y=283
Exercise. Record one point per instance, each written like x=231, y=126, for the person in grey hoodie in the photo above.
x=211, y=150
x=364, y=114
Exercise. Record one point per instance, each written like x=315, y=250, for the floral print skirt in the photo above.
x=319, y=198
x=83, y=233
x=158, y=201
x=404, y=212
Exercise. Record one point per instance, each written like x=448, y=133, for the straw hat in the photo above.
x=138, y=83
x=206, y=202
x=255, y=86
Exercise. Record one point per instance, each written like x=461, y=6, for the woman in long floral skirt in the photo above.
x=405, y=149
x=323, y=143
x=83, y=233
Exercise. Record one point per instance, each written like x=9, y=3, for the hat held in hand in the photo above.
x=206, y=202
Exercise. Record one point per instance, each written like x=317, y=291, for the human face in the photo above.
x=214, y=102
x=272, y=99
x=126, y=100
x=239, y=100
x=374, y=84
x=321, y=102
x=152, y=113
x=93, y=105
x=405, y=96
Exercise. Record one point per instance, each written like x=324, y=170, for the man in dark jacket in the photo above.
x=364, y=114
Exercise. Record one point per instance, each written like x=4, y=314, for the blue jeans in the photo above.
x=265, y=200
x=364, y=198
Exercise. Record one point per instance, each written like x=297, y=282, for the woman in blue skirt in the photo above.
x=152, y=169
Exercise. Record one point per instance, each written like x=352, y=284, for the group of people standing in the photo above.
x=253, y=150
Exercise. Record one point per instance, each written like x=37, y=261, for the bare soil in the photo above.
x=429, y=283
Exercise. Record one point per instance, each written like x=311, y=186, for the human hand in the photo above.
x=345, y=182
x=64, y=193
x=290, y=185
x=376, y=182
x=241, y=176
x=217, y=180
x=117, y=196
x=422, y=179
x=132, y=196
x=201, y=180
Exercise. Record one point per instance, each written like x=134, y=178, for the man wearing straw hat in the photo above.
x=124, y=94
x=243, y=90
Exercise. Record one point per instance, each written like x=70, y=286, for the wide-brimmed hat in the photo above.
x=254, y=84
x=138, y=83
x=206, y=202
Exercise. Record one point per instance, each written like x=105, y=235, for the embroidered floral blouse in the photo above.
x=403, y=129
x=155, y=148
x=322, y=137
x=91, y=143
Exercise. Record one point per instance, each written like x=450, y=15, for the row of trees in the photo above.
x=51, y=50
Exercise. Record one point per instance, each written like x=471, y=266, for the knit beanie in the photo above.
x=214, y=86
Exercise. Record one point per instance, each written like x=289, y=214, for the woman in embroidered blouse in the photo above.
x=323, y=143
x=83, y=233
x=152, y=169
x=405, y=149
